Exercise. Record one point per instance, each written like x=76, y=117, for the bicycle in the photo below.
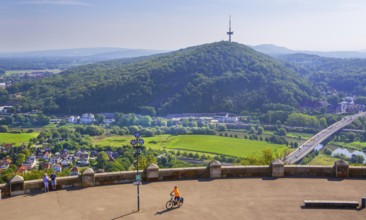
x=174, y=203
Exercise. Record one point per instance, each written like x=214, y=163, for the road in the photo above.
x=307, y=147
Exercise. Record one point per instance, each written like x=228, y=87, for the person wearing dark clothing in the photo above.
x=53, y=180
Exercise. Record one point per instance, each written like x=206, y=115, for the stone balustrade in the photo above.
x=214, y=170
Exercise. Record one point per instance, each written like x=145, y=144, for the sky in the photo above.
x=321, y=25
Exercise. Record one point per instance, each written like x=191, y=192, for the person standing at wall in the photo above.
x=45, y=183
x=53, y=181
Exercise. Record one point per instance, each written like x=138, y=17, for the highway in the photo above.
x=317, y=139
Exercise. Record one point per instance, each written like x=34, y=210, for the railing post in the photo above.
x=17, y=186
x=88, y=178
x=278, y=168
x=152, y=172
x=215, y=169
x=341, y=169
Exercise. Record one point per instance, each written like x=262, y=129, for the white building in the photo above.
x=87, y=118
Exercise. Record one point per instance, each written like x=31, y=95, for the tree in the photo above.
x=333, y=100
x=221, y=127
x=145, y=121
x=114, y=166
x=351, y=137
x=260, y=130
x=102, y=160
x=281, y=132
x=26, y=152
x=150, y=158
x=359, y=159
x=3, y=129
x=7, y=120
x=323, y=122
x=99, y=118
x=93, y=130
x=148, y=110
x=20, y=158
x=41, y=119
x=267, y=156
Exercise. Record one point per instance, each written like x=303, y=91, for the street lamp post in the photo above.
x=137, y=144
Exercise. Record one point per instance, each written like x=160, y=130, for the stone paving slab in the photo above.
x=245, y=198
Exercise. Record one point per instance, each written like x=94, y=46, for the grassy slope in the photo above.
x=198, y=143
x=323, y=159
x=17, y=139
x=353, y=145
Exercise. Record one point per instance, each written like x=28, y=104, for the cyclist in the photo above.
x=176, y=194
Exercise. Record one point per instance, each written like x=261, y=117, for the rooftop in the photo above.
x=249, y=198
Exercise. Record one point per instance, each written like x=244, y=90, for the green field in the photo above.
x=297, y=135
x=353, y=145
x=198, y=143
x=16, y=139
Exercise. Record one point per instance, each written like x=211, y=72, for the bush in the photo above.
x=3, y=129
x=327, y=151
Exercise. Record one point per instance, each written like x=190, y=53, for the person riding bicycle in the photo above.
x=176, y=193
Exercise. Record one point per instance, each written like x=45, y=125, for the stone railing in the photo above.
x=215, y=170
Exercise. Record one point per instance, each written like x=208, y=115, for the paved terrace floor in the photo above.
x=247, y=198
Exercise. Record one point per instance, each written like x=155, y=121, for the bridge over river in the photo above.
x=307, y=147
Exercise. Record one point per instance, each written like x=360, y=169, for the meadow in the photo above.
x=323, y=159
x=16, y=139
x=356, y=145
x=237, y=147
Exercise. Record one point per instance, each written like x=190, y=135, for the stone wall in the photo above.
x=184, y=173
x=309, y=171
x=357, y=172
x=116, y=177
x=213, y=171
x=245, y=171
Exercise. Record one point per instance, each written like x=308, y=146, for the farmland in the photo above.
x=16, y=139
x=197, y=143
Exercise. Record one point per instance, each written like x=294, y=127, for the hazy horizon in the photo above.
x=37, y=25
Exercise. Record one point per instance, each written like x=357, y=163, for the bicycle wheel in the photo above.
x=169, y=204
x=180, y=203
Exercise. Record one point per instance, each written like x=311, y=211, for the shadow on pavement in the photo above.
x=269, y=178
x=125, y=215
x=165, y=211
x=335, y=208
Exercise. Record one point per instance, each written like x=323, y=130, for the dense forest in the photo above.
x=215, y=77
x=344, y=75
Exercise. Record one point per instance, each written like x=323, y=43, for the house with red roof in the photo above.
x=21, y=169
x=75, y=171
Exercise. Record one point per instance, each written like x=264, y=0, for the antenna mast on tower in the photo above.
x=230, y=32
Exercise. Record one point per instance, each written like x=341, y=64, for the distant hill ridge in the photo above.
x=100, y=53
x=278, y=50
x=216, y=77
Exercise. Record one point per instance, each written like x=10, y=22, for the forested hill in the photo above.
x=344, y=75
x=214, y=77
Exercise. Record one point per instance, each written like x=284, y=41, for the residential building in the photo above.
x=30, y=162
x=73, y=119
x=87, y=118
x=65, y=163
x=21, y=169
x=83, y=159
x=75, y=171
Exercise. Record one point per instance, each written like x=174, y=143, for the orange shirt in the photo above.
x=176, y=192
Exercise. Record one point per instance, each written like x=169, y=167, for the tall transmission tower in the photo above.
x=230, y=32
